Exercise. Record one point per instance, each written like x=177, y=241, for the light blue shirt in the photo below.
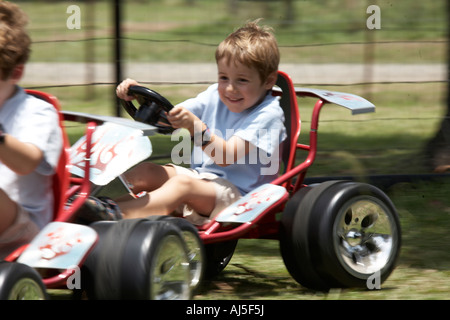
x=34, y=121
x=261, y=125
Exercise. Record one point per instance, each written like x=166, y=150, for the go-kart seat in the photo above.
x=61, y=178
x=288, y=103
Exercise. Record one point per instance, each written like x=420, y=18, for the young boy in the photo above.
x=236, y=125
x=30, y=141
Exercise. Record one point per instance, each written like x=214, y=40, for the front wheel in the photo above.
x=218, y=255
x=194, y=245
x=139, y=260
x=20, y=282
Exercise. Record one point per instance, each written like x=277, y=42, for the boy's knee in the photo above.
x=182, y=179
x=146, y=167
x=181, y=183
x=146, y=176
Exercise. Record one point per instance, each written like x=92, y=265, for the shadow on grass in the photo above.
x=240, y=281
x=424, y=210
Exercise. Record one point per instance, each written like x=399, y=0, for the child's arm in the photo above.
x=222, y=152
x=22, y=158
x=225, y=152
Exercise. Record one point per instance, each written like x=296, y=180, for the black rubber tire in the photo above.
x=195, y=247
x=89, y=267
x=325, y=241
x=123, y=263
x=140, y=263
x=286, y=239
x=101, y=263
x=301, y=265
x=20, y=282
x=218, y=255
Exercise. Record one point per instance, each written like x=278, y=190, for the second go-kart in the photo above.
x=332, y=234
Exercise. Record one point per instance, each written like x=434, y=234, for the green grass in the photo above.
x=171, y=30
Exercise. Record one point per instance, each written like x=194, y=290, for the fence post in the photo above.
x=117, y=50
x=90, y=49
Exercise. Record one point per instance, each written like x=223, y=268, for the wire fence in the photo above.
x=411, y=37
x=189, y=30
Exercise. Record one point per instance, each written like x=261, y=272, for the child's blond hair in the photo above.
x=14, y=40
x=253, y=46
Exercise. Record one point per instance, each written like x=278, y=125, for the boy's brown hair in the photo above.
x=14, y=40
x=253, y=46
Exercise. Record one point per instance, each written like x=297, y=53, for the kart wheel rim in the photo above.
x=171, y=277
x=194, y=257
x=26, y=289
x=364, y=236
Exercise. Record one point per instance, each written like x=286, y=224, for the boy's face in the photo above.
x=240, y=87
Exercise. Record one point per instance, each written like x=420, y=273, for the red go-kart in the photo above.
x=332, y=234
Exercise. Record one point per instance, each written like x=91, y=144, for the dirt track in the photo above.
x=40, y=74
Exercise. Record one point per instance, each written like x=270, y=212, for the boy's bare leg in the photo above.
x=148, y=176
x=199, y=194
x=8, y=211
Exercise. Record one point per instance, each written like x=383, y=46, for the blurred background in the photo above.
x=393, y=53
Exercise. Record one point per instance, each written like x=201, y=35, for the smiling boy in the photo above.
x=232, y=123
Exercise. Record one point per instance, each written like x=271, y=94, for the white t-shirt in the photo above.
x=34, y=121
x=261, y=125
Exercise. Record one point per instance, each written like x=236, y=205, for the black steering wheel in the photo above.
x=152, y=108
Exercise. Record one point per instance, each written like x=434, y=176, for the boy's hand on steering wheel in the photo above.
x=122, y=89
x=180, y=117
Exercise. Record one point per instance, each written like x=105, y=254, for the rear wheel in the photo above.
x=294, y=237
x=342, y=234
x=355, y=233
